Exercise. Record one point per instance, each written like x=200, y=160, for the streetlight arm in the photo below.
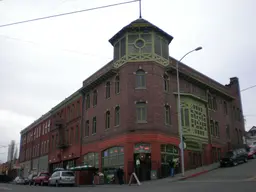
x=185, y=55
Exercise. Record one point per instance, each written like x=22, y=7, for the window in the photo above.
x=241, y=136
x=88, y=101
x=186, y=115
x=161, y=47
x=95, y=95
x=214, y=102
x=71, y=135
x=167, y=115
x=217, y=130
x=237, y=134
x=117, y=85
x=78, y=108
x=119, y=49
x=238, y=114
x=107, y=120
x=67, y=136
x=227, y=132
x=77, y=134
x=117, y=116
x=107, y=90
x=140, y=79
x=39, y=131
x=113, y=157
x=94, y=125
x=210, y=101
x=141, y=111
x=87, y=128
x=225, y=106
x=166, y=83
x=212, y=127
x=47, y=146
x=91, y=159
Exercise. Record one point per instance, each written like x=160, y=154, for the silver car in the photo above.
x=59, y=178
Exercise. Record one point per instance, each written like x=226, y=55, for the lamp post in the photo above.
x=179, y=110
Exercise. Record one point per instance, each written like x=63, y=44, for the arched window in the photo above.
x=92, y=159
x=117, y=116
x=167, y=113
x=107, y=90
x=95, y=97
x=117, y=85
x=113, y=157
x=140, y=79
x=166, y=83
x=107, y=120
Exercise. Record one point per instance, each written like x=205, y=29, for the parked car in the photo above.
x=19, y=180
x=41, y=179
x=234, y=157
x=59, y=178
x=31, y=178
x=252, y=152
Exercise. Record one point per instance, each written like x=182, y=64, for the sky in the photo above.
x=44, y=62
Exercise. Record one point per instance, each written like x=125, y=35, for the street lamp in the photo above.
x=179, y=110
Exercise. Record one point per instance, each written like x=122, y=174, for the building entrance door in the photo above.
x=142, y=161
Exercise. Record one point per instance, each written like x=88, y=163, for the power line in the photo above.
x=68, y=13
x=248, y=88
x=62, y=49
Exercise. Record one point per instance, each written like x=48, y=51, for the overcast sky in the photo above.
x=45, y=61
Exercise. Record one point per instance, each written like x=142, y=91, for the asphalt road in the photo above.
x=234, y=179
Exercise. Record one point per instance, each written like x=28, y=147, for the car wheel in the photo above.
x=254, y=156
x=34, y=183
x=234, y=163
x=245, y=160
x=42, y=183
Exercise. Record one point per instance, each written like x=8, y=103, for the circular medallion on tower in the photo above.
x=139, y=43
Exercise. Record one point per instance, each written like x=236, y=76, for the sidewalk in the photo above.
x=188, y=174
x=178, y=177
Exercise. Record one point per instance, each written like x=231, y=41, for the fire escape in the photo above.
x=62, y=141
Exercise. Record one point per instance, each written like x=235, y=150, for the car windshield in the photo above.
x=44, y=174
x=67, y=174
x=229, y=154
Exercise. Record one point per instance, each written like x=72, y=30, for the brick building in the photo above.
x=126, y=113
x=65, y=138
x=34, y=145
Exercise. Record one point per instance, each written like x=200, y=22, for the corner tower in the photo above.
x=141, y=41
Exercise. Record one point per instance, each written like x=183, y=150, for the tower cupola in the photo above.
x=141, y=41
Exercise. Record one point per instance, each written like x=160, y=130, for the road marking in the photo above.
x=5, y=189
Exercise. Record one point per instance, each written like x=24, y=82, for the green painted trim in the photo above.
x=191, y=95
x=189, y=131
x=153, y=43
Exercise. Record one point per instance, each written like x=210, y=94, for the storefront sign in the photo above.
x=142, y=148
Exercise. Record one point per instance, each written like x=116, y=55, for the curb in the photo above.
x=195, y=174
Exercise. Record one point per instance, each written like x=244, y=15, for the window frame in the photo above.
x=140, y=79
x=139, y=109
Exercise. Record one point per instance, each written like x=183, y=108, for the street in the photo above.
x=235, y=179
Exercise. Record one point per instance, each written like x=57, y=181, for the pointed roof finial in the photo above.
x=140, y=8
